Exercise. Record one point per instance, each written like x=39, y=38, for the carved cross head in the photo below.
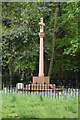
x=41, y=22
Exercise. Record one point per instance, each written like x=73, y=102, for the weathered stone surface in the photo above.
x=41, y=80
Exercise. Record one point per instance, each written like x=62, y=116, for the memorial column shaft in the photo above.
x=41, y=59
x=41, y=54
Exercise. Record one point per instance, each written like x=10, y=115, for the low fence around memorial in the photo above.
x=42, y=89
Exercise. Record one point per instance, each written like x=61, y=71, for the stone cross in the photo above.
x=41, y=54
x=41, y=79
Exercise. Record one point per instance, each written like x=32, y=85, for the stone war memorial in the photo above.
x=41, y=79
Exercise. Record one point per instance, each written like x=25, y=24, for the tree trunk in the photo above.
x=53, y=40
x=11, y=64
x=0, y=81
x=10, y=73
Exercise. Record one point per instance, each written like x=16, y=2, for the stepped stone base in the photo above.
x=41, y=80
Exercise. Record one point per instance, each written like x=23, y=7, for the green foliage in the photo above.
x=20, y=39
x=73, y=48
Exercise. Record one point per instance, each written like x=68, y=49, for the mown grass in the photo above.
x=0, y=106
x=34, y=106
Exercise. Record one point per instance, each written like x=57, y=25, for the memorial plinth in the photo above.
x=40, y=79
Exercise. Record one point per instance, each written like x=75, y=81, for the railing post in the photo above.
x=47, y=89
x=44, y=88
x=33, y=87
x=58, y=94
x=27, y=89
x=9, y=88
x=36, y=87
x=30, y=87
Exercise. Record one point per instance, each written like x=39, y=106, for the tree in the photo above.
x=20, y=44
x=54, y=39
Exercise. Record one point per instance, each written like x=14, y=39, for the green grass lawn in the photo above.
x=0, y=106
x=34, y=106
